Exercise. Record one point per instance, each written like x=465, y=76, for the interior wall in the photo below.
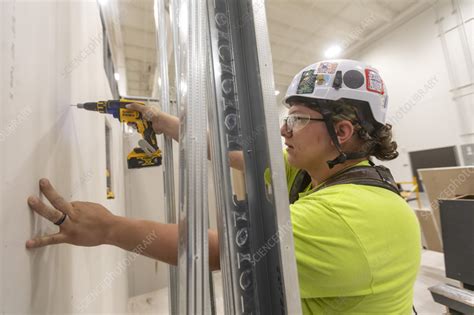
x=421, y=106
x=145, y=200
x=51, y=57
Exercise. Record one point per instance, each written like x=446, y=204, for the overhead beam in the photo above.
x=292, y=11
x=415, y=9
x=133, y=46
x=139, y=38
x=380, y=10
x=113, y=29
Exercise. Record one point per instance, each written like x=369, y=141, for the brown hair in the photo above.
x=379, y=143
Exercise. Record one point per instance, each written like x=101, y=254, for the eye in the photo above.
x=292, y=120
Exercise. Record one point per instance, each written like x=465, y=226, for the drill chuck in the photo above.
x=88, y=106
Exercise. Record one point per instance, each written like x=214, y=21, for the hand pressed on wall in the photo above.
x=86, y=223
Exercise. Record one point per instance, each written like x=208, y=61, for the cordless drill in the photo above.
x=148, y=154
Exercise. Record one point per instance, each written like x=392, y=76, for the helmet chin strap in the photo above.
x=342, y=157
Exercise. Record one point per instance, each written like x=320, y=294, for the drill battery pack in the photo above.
x=139, y=159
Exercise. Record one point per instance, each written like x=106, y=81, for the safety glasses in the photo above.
x=296, y=122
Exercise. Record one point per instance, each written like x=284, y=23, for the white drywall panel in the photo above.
x=145, y=200
x=51, y=56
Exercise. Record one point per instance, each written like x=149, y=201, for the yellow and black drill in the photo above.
x=148, y=154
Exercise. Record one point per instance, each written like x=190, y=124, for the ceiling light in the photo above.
x=277, y=92
x=333, y=51
x=116, y=76
x=103, y=2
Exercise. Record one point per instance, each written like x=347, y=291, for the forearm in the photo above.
x=171, y=129
x=236, y=160
x=155, y=240
x=170, y=125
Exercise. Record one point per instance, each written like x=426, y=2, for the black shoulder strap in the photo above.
x=378, y=176
x=302, y=181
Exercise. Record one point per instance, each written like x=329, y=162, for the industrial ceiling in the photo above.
x=301, y=32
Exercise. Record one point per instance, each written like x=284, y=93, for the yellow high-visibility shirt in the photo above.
x=357, y=249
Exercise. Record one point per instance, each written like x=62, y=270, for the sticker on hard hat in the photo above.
x=327, y=67
x=306, y=85
x=353, y=79
x=374, y=81
x=323, y=79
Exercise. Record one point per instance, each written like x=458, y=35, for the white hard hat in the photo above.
x=342, y=79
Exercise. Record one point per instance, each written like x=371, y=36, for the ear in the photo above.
x=344, y=131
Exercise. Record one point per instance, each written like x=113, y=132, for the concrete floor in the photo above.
x=431, y=273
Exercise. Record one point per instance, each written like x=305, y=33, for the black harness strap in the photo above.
x=302, y=181
x=378, y=176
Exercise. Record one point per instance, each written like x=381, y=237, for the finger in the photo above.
x=43, y=210
x=56, y=199
x=137, y=106
x=57, y=238
x=148, y=112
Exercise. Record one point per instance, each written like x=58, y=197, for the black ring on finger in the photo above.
x=61, y=221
